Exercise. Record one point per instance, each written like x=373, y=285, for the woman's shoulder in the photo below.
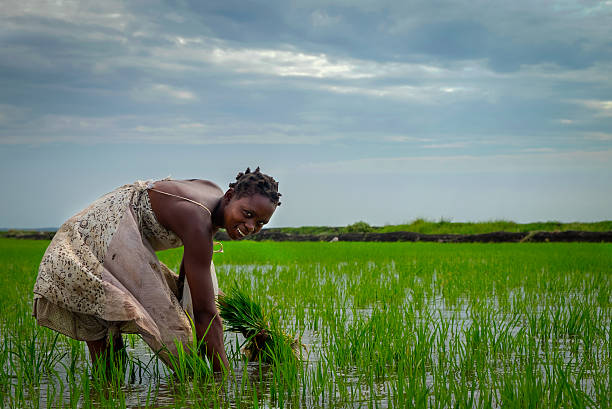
x=205, y=183
x=204, y=193
x=192, y=188
x=178, y=204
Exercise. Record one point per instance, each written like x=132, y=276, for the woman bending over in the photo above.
x=100, y=276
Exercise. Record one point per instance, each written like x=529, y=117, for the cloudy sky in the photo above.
x=382, y=111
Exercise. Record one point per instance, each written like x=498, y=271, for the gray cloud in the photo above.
x=508, y=34
x=391, y=86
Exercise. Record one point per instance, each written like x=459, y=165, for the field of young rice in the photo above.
x=385, y=325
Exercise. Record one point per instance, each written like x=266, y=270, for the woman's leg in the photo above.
x=97, y=349
x=111, y=350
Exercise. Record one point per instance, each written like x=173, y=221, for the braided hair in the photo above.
x=250, y=183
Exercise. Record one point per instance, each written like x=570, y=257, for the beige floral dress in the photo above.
x=100, y=275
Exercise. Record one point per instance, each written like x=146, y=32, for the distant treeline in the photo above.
x=423, y=226
x=417, y=230
x=28, y=234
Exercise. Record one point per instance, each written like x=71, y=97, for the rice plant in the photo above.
x=264, y=339
x=386, y=325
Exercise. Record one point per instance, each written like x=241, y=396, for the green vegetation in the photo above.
x=448, y=227
x=444, y=226
x=391, y=325
x=264, y=339
x=422, y=226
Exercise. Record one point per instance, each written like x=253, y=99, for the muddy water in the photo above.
x=151, y=382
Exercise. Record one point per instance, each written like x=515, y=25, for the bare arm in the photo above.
x=196, y=264
x=194, y=226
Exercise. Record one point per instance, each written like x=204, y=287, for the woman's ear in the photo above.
x=228, y=195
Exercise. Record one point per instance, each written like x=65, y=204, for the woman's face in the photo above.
x=246, y=215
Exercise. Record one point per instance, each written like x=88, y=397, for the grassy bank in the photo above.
x=447, y=227
x=421, y=226
x=387, y=325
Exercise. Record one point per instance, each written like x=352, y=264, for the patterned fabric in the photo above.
x=159, y=237
x=100, y=274
x=69, y=274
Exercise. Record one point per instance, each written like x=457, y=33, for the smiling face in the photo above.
x=246, y=215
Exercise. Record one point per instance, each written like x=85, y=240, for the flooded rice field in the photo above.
x=384, y=325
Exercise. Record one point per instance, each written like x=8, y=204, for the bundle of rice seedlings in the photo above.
x=265, y=341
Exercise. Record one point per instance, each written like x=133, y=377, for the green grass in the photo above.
x=447, y=227
x=443, y=226
x=424, y=226
x=385, y=325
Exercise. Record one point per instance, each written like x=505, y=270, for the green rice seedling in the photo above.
x=191, y=369
x=189, y=364
x=265, y=341
x=388, y=325
x=4, y=362
x=35, y=356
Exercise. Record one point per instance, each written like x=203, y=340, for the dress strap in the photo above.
x=181, y=197
x=150, y=187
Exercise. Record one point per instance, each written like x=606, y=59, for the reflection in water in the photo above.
x=451, y=325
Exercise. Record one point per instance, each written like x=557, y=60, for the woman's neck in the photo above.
x=217, y=215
